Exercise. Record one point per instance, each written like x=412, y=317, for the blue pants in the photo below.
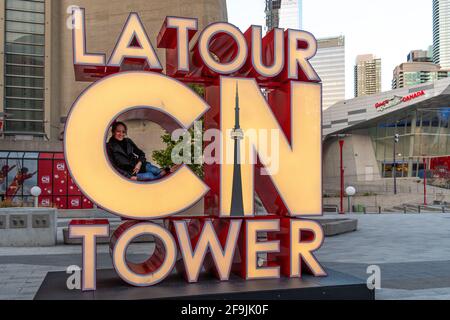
x=152, y=173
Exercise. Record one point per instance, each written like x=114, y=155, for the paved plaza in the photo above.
x=411, y=250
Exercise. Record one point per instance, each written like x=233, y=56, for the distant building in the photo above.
x=419, y=69
x=329, y=64
x=441, y=33
x=367, y=75
x=286, y=14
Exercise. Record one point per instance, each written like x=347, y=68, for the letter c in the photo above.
x=85, y=146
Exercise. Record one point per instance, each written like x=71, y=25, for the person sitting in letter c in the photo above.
x=128, y=159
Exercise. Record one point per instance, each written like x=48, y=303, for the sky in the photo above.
x=390, y=29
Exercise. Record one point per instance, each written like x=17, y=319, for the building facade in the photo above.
x=419, y=69
x=367, y=75
x=286, y=14
x=329, y=64
x=441, y=33
x=420, y=115
x=36, y=67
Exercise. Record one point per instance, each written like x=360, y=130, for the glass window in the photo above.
x=26, y=115
x=17, y=103
x=24, y=126
x=25, y=82
x=24, y=48
x=25, y=60
x=25, y=93
x=25, y=27
x=35, y=6
x=25, y=71
x=25, y=38
x=12, y=15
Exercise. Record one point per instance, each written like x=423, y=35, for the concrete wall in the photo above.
x=27, y=227
x=359, y=160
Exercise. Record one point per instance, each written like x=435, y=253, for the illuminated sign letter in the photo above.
x=299, y=57
x=153, y=271
x=302, y=250
x=297, y=176
x=254, y=247
x=258, y=53
x=143, y=49
x=193, y=259
x=89, y=231
x=241, y=53
x=80, y=56
x=86, y=132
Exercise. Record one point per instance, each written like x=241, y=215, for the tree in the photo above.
x=164, y=157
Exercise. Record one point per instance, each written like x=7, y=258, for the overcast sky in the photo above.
x=386, y=28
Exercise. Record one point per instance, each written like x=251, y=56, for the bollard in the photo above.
x=379, y=210
x=419, y=209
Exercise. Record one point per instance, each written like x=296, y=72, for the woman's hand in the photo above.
x=137, y=168
x=134, y=178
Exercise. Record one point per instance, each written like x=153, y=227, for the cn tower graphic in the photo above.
x=237, y=203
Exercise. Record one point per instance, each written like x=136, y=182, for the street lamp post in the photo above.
x=425, y=181
x=341, y=145
x=396, y=140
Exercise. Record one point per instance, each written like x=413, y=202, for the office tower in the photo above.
x=418, y=69
x=367, y=75
x=441, y=33
x=329, y=64
x=286, y=14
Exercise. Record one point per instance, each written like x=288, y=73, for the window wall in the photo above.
x=24, y=67
x=423, y=132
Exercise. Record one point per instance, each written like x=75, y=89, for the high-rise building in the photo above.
x=418, y=69
x=36, y=61
x=286, y=14
x=367, y=75
x=329, y=64
x=441, y=33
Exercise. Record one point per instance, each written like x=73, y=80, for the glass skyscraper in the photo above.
x=286, y=14
x=441, y=33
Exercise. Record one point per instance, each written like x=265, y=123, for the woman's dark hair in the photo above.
x=117, y=124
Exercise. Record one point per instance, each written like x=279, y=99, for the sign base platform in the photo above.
x=337, y=286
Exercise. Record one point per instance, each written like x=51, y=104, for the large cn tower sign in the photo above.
x=233, y=67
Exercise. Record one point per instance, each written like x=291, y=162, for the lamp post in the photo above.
x=350, y=191
x=36, y=192
x=425, y=181
x=396, y=140
x=341, y=148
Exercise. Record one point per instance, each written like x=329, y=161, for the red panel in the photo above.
x=45, y=202
x=60, y=175
x=72, y=188
x=86, y=203
x=74, y=202
x=45, y=173
x=60, y=202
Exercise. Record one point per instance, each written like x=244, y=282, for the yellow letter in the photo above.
x=134, y=29
x=193, y=259
x=254, y=247
x=238, y=37
x=89, y=233
x=80, y=56
x=304, y=250
x=139, y=275
x=257, y=52
x=86, y=131
x=298, y=176
x=300, y=56
x=183, y=25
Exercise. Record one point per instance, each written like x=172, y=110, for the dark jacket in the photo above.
x=124, y=160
